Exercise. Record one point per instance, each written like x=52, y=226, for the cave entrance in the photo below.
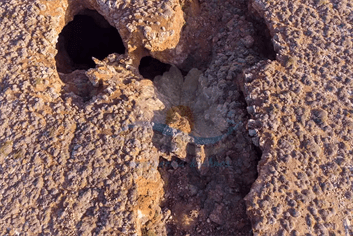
x=262, y=35
x=88, y=35
x=150, y=67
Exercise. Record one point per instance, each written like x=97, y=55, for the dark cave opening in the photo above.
x=150, y=67
x=88, y=35
x=263, y=38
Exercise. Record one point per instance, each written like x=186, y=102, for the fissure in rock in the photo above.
x=262, y=36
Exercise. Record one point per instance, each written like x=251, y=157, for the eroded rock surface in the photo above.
x=303, y=105
x=80, y=153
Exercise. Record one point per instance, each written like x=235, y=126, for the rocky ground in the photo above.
x=242, y=127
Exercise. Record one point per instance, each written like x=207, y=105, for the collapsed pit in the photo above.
x=211, y=198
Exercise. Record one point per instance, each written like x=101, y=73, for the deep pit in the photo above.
x=209, y=199
x=87, y=35
x=150, y=67
x=262, y=35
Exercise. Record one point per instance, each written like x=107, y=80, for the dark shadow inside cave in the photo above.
x=263, y=38
x=150, y=67
x=88, y=35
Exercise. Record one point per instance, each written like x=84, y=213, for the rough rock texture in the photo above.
x=303, y=103
x=80, y=153
x=69, y=167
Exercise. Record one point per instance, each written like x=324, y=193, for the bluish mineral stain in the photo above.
x=168, y=131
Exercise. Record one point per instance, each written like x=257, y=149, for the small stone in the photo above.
x=252, y=132
x=175, y=165
x=248, y=41
x=193, y=190
x=251, y=110
x=217, y=216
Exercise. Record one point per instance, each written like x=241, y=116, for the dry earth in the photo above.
x=196, y=117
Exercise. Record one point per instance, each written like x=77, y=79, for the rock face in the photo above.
x=265, y=85
x=303, y=104
x=181, y=118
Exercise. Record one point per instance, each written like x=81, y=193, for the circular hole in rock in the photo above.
x=150, y=67
x=88, y=35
